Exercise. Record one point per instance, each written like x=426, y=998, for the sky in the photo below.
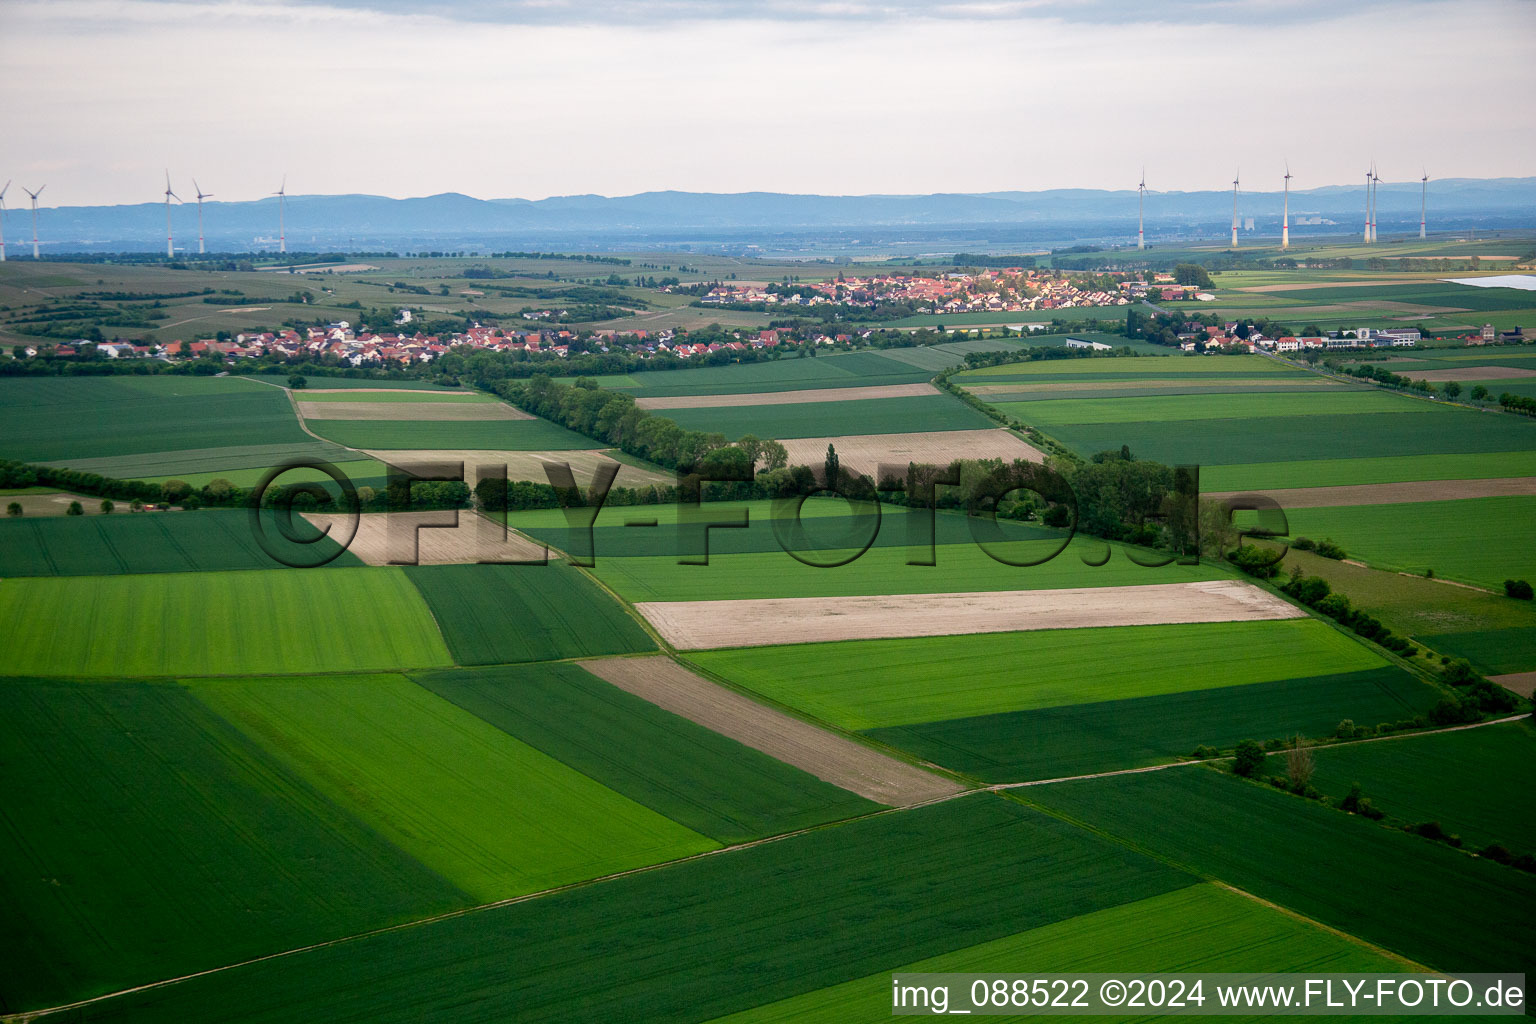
x=534, y=98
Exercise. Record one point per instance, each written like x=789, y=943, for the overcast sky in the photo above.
x=532, y=98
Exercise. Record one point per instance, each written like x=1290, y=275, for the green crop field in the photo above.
x=1188, y=408
x=497, y=614
x=1392, y=469
x=823, y=906
x=1495, y=633
x=885, y=570
x=491, y=814
x=213, y=462
x=146, y=543
x=1198, y=928
x=868, y=684
x=197, y=623
x=1111, y=367
x=1442, y=431
x=503, y=435
x=373, y=396
x=1477, y=540
x=842, y=370
x=833, y=419
x=359, y=471
x=61, y=419
x=1076, y=739
x=1427, y=293
x=1423, y=900
x=1473, y=781
x=698, y=778
x=144, y=837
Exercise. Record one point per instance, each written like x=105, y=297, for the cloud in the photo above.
x=105, y=94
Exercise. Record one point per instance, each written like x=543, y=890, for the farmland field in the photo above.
x=1162, y=408
x=1465, y=914
x=867, y=684
x=132, y=809
x=1478, y=540
x=497, y=614
x=1390, y=469
x=487, y=812
x=262, y=621
x=61, y=419
x=694, y=776
x=1469, y=781
x=508, y=435
x=825, y=906
x=818, y=419
x=832, y=371
x=1199, y=928
x=142, y=543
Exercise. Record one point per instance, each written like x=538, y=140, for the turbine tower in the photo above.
x=1285, y=220
x=282, y=195
x=1375, y=185
x=1234, y=207
x=1366, y=238
x=1424, y=201
x=170, y=249
x=2, y=220
x=34, y=196
x=201, y=195
x=1141, y=206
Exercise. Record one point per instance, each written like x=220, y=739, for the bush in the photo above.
x=1432, y=830
x=107, y=506
x=1057, y=515
x=1346, y=729
x=75, y=509
x=1249, y=759
x=1525, y=862
x=297, y=381
x=1518, y=589
x=1497, y=852
x=1304, y=544
x=1356, y=803
x=13, y=509
x=1328, y=549
x=1255, y=561
x=1205, y=753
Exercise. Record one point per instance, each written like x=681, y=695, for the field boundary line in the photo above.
x=1347, y=936
x=26, y=1016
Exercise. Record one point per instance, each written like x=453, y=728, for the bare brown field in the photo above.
x=826, y=755
x=1394, y=494
x=415, y=411
x=1461, y=373
x=709, y=625
x=864, y=452
x=385, y=538
x=528, y=465
x=57, y=504
x=787, y=397
x=1523, y=683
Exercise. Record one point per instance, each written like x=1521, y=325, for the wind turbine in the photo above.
x=34, y=196
x=1235, y=178
x=1285, y=221
x=1367, y=236
x=170, y=250
x=282, y=195
x=201, y=195
x=2, y=220
x=1375, y=187
x=1141, y=205
x=1424, y=201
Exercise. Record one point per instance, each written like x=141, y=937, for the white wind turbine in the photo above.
x=1141, y=203
x=1235, y=179
x=282, y=195
x=34, y=196
x=1367, y=236
x=1423, y=208
x=201, y=195
x=1375, y=187
x=1285, y=220
x=2, y=220
x=170, y=249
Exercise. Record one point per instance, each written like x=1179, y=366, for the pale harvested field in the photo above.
x=1280, y=383
x=1461, y=373
x=1393, y=494
x=58, y=504
x=528, y=465
x=391, y=391
x=385, y=538
x=787, y=397
x=709, y=625
x=826, y=755
x=1523, y=683
x=864, y=452
x=1302, y=286
x=417, y=411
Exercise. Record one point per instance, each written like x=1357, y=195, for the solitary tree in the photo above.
x=1299, y=765
x=833, y=467
x=1249, y=759
x=107, y=506
x=13, y=509
x=75, y=509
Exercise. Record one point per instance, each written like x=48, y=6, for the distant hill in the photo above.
x=455, y=220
